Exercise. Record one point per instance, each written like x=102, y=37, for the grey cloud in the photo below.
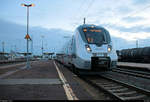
x=132, y=19
x=135, y=29
x=140, y=2
x=120, y=43
x=123, y=9
x=13, y=34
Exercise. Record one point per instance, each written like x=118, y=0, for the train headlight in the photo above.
x=109, y=48
x=88, y=48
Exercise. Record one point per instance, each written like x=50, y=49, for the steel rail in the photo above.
x=133, y=73
x=119, y=90
x=134, y=70
x=100, y=88
x=144, y=91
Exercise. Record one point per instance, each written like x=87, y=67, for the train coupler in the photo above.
x=100, y=63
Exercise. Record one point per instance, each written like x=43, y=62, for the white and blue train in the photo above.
x=90, y=48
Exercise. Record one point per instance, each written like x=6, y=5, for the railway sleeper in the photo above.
x=118, y=90
x=116, y=87
x=125, y=93
x=106, y=84
x=133, y=97
x=109, y=85
x=128, y=95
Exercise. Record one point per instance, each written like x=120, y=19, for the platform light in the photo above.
x=30, y=5
x=23, y=5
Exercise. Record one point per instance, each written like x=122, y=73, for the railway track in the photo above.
x=133, y=72
x=117, y=89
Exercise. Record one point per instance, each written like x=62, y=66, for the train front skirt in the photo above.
x=100, y=63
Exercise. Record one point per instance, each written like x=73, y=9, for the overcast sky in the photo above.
x=125, y=19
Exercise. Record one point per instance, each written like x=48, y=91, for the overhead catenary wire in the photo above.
x=132, y=14
x=136, y=12
x=79, y=9
x=83, y=14
x=86, y=11
x=75, y=16
x=88, y=8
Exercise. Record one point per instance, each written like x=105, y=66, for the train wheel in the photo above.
x=72, y=68
x=111, y=68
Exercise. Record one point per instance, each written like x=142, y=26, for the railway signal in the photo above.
x=27, y=37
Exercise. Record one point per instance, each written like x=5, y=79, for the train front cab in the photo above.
x=94, y=40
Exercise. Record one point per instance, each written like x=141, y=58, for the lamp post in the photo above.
x=27, y=35
x=137, y=43
x=3, y=44
x=42, y=45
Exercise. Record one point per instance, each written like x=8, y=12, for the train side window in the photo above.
x=72, y=41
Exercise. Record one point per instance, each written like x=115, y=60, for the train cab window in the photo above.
x=90, y=40
x=96, y=36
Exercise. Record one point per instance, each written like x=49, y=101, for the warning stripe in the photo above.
x=66, y=86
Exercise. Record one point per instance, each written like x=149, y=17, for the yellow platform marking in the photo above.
x=66, y=86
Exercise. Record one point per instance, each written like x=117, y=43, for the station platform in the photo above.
x=133, y=65
x=45, y=80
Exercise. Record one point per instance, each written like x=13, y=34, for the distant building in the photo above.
x=4, y=56
x=48, y=55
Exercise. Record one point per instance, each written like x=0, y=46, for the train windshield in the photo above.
x=96, y=36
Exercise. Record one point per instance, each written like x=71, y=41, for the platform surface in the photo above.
x=40, y=82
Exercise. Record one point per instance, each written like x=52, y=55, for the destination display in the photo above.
x=92, y=30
